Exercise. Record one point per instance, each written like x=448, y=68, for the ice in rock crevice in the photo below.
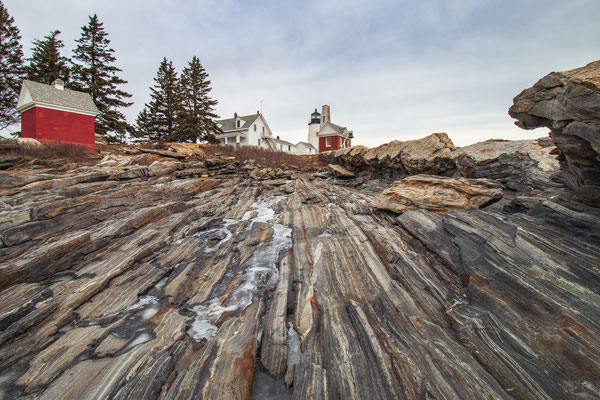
x=141, y=338
x=260, y=272
x=148, y=303
x=223, y=229
x=293, y=345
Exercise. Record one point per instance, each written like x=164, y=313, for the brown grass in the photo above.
x=263, y=157
x=47, y=150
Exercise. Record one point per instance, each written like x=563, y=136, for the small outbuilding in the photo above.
x=51, y=112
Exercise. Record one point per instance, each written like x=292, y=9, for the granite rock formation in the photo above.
x=521, y=166
x=148, y=277
x=569, y=104
x=429, y=155
x=438, y=193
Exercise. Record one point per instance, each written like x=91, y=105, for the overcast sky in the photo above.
x=388, y=69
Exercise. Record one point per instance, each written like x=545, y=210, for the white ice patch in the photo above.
x=143, y=338
x=161, y=283
x=223, y=229
x=260, y=272
x=293, y=345
x=142, y=302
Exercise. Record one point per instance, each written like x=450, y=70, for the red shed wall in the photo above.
x=28, y=124
x=47, y=124
x=335, y=143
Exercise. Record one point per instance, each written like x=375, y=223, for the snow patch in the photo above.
x=260, y=271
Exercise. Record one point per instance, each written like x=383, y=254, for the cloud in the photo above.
x=389, y=69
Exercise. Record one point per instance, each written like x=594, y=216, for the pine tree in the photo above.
x=11, y=68
x=46, y=64
x=197, y=118
x=159, y=119
x=94, y=72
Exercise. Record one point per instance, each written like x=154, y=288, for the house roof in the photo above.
x=333, y=131
x=229, y=124
x=40, y=94
x=307, y=144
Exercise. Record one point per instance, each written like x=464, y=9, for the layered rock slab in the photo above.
x=439, y=194
x=168, y=299
x=569, y=104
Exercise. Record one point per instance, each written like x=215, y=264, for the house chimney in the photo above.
x=278, y=137
x=325, y=114
x=235, y=115
x=257, y=112
x=58, y=84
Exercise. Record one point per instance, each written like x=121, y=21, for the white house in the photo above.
x=253, y=130
x=248, y=130
x=303, y=148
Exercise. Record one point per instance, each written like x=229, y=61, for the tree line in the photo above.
x=180, y=109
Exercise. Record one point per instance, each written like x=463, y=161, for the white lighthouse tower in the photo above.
x=314, y=125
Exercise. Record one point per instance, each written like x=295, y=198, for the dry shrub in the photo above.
x=46, y=150
x=264, y=157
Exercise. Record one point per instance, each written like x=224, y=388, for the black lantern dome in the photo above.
x=315, y=118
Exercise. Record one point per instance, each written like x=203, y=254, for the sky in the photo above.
x=389, y=70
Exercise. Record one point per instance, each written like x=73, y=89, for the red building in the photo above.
x=51, y=112
x=325, y=135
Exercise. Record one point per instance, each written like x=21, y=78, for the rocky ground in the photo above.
x=156, y=276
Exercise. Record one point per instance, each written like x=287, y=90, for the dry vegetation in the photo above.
x=263, y=157
x=44, y=151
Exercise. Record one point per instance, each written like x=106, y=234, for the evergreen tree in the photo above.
x=94, y=72
x=46, y=64
x=159, y=119
x=197, y=118
x=11, y=68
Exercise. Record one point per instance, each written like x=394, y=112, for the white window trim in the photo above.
x=328, y=142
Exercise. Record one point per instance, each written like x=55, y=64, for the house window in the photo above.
x=254, y=127
x=263, y=129
x=289, y=148
x=238, y=123
x=328, y=142
x=259, y=142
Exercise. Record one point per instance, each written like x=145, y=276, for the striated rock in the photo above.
x=439, y=194
x=569, y=104
x=273, y=182
x=429, y=155
x=187, y=149
x=164, y=153
x=165, y=286
x=340, y=172
x=520, y=165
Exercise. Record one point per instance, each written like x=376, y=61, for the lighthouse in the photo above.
x=314, y=126
x=324, y=135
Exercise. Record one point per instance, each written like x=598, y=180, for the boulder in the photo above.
x=439, y=194
x=99, y=139
x=569, y=104
x=429, y=155
x=187, y=149
x=28, y=141
x=164, y=153
x=520, y=165
x=340, y=172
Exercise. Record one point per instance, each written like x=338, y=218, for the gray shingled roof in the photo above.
x=47, y=94
x=306, y=144
x=338, y=128
x=229, y=124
